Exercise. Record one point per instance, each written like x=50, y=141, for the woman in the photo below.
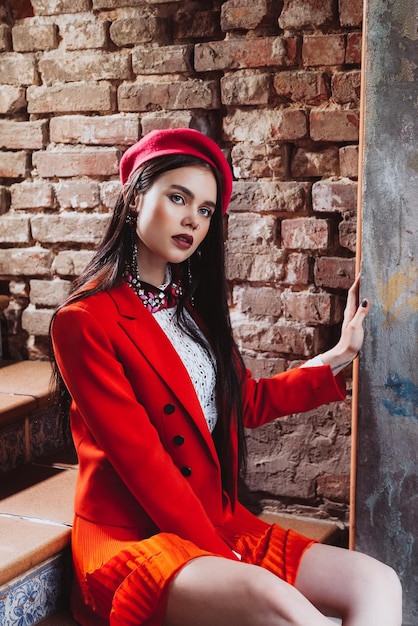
x=159, y=399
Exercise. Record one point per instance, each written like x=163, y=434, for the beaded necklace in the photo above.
x=154, y=298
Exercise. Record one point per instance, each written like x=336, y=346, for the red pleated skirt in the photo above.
x=120, y=581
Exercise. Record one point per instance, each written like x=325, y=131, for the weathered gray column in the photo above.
x=386, y=519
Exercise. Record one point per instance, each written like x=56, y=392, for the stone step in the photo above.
x=28, y=427
x=36, y=511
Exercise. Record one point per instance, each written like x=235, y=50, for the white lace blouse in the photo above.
x=199, y=364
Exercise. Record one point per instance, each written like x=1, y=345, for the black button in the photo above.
x=186, y=471
x=169, y=409
x=178, y=440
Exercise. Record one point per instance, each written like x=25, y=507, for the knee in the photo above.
x=391, y=583
x=385, y=584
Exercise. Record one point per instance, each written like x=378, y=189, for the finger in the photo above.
x=362, y=311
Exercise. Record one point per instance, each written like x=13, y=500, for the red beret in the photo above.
x=177, y=141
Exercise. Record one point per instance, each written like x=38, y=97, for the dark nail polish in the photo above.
x=364, y=303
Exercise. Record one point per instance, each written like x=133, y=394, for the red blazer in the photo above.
x=146, y=457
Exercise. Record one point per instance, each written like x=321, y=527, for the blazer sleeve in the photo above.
x=95, y=378
x=294, y=391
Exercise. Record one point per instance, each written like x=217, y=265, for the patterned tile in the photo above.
x=12, y=447
x=26, y=600
x=45, y=433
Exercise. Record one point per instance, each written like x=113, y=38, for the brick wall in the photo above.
x=277, y=84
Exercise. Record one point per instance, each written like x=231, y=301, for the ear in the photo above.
x=136, y=202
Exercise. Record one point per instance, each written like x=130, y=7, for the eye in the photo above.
x=177, y=198
x=206, y=212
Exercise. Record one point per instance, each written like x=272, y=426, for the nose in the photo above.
x=191, y=220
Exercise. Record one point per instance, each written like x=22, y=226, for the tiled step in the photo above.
x=36, y=511
x=28, y=427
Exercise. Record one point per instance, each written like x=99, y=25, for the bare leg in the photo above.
x=350, y=585
x=211, y=591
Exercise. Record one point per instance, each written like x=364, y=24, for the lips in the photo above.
x=183, y=241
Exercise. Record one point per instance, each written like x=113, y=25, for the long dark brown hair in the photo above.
x=207, y=290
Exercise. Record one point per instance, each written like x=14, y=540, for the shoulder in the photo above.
x=100, y=301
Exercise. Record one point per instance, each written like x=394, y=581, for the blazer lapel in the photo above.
x=153, y=343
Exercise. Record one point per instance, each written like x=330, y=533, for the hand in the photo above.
x=352, y=332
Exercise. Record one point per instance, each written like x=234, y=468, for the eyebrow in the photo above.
x=191, y=195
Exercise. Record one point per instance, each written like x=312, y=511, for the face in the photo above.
x=173, y=218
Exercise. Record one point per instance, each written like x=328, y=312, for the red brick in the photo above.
x=346, y=87
x=37, y=321
x=323, y=50
x=23, y=135
x=89, y=65
x=76, y=162
x=306, y=233
x=309, y=87
x=116, y=4
x=14, y=229
x=52, y=7
x=21, y=9
x=17, y=69
x=13, y=164
x=313, y=308
x=25, y=262
x=81, y=34
x=12, y=99
x=351, y=12
x=241, y=88
x=77, y=97
x=256, y=161
x=69, y=228
x=32, y=195
x=273, y=125
x=264, y=366
x=334, y=195
x=5, y=38
x=267, y=197
x=137, y=30
x=49, y=292
x=266, y=263
x=245, y=53
x=334, y=486
x=162, y=60
x=4, y=199
x=282, y=337
x=348, y=232
x=334, y=125
x=95, y=130
x=349, y=161
x=190, y=23
x=32, y=36
x=296, y=271
x=187, y=94
x=315, y=163
x=263, y=301
x=258, y=232
x=245, y=14
x=251, y=249
x=71, y=262
x=109, y=192
x=334, y=272
x=77, y=194
x=298, y=14
x=156, y=120
x=353, y=51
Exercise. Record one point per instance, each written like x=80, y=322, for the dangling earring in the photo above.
x=131, y=268
x=189, y=272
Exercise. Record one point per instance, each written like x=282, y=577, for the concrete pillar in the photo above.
x=386, y=519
